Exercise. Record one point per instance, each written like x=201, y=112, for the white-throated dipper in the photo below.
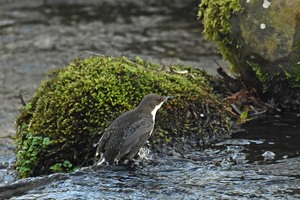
x=129, y=132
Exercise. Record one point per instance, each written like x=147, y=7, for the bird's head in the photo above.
x=152, y=102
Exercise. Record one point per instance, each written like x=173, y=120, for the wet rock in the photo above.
x=261, y=40
x=268, y=155
x=22, y=186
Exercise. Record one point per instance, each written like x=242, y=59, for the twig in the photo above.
x=236, y=109
x=22, y=100
x=92, y=53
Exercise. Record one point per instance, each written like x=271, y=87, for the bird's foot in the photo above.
x=128, y=162
x=101, y=162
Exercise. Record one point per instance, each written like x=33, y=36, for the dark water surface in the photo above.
x=260, y=161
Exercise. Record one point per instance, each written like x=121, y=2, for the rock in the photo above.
x=68, y=113
x=261, y=39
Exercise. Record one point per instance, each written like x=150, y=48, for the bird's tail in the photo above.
x=99, y=158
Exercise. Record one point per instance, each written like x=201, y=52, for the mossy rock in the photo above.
x=261, y=40
x=216, y=17
x=68, y=113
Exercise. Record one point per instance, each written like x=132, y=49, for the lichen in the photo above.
x=216, y=19
x=68, y=113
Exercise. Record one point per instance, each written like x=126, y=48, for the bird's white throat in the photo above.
x=153, y=112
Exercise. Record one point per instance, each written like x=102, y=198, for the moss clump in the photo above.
x=216, y=19
x=287, y=99
x=69, y=112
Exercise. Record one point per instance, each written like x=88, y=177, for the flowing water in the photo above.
x=260, y=160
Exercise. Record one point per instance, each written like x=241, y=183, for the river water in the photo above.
x=260, y=161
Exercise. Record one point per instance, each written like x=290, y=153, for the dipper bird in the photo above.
x=129, y=132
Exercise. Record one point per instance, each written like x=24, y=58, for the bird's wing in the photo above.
x=101, y=145
x=137, y=133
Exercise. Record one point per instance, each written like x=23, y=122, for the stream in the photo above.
x=260, y=160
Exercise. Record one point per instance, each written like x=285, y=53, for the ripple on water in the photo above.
x=169, y=177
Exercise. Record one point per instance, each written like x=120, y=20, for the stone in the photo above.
x=261, y=40
x=72, y=108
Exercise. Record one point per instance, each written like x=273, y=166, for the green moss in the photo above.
x=264, y=77
x=293, y=76
x=68, y=113
x=216, y=19
x=285, y=83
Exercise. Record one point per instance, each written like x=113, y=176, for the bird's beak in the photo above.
x=169, y=98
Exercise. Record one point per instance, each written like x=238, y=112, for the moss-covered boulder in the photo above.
x=68, y=113
x=261, y=39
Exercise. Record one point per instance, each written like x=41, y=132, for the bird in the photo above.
x=129, y=132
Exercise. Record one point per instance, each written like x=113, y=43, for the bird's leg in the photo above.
x=116, y=161
x=102, y=160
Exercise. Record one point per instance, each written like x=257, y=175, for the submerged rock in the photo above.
x=68, y=113
x=261, y=39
